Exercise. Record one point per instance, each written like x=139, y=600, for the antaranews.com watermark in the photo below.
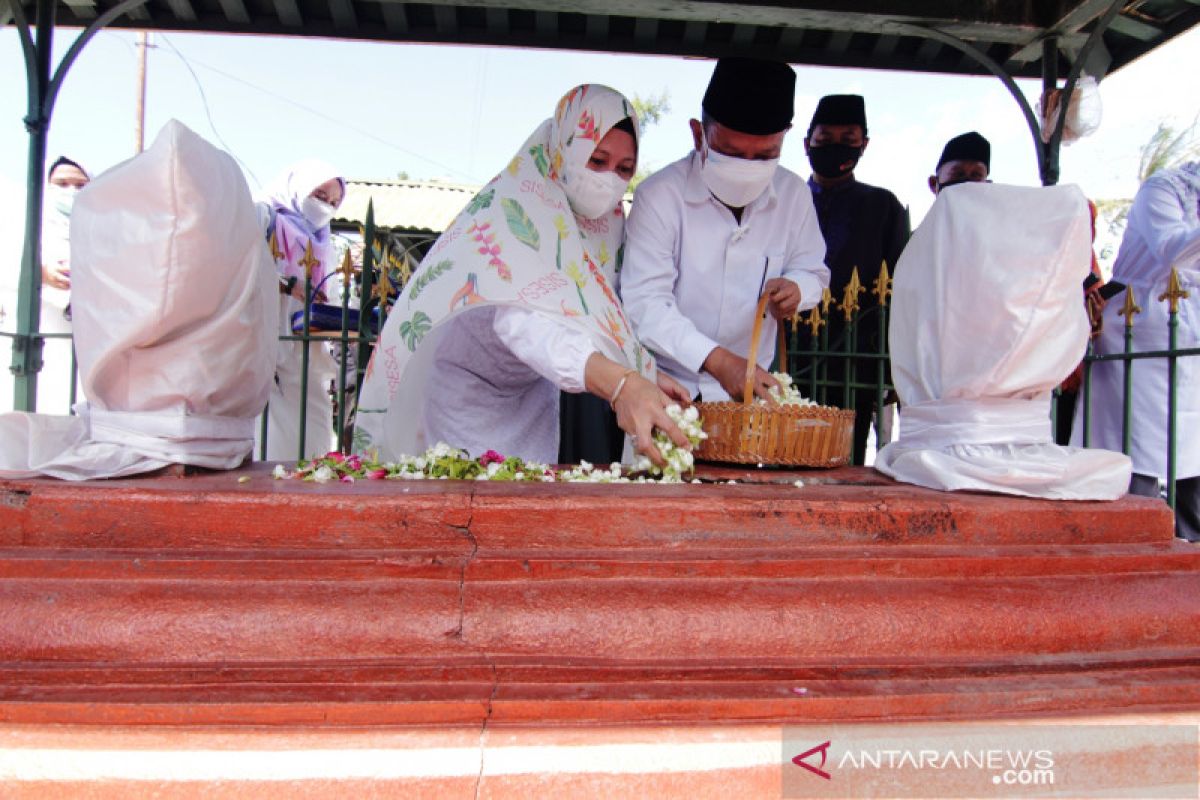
x=1002, y=760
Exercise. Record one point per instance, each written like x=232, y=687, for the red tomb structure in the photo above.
x=216, y=636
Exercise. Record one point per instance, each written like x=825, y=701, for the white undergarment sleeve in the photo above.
x=554, y=349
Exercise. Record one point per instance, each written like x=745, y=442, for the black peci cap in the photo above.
x=840, y=109
x=751, y=96
x=967, y=147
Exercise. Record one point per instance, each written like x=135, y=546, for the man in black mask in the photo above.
x=965, y=158
x=864, y=226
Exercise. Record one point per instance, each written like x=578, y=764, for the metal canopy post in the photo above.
x=1048, y=166
x=27, y=347
x=992, y=66
x=1050, y=162
x=42, y=90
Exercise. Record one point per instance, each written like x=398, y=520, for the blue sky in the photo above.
x=459, y=113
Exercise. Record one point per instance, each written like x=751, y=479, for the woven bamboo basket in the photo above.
x=787, y=436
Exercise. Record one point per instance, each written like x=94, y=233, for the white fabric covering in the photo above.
x=988, y=317
x=174, y=308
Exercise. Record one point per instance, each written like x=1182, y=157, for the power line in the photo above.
x=334, y=120
x=207, y=111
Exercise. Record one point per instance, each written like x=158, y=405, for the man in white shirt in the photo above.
x=713, y=231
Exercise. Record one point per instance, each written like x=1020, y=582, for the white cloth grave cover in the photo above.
x=988, y=317
x=174, y=308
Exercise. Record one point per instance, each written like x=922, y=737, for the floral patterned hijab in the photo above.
x=517, y=243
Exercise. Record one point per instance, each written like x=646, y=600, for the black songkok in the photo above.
x=751, y=96
x=840, y=109
x=967, y=147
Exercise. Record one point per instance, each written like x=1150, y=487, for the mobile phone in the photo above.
x=1108, y=290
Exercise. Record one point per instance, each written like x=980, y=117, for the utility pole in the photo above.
x=139, y=123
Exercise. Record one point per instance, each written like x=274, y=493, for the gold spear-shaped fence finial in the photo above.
x=384, y=286
x=826, y=301
x=276, y=252
x=814, y=319
x=850, y=296
x=1130, y=308
x=403, y=266
x=883, y=284
x=1175, y=292
x=347, y=268
x=309, y=262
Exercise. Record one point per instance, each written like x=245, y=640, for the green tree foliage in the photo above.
x=650, y=110
x=1167, y=148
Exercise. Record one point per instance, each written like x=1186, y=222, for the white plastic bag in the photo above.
x=174, y=309
x=1083, y=114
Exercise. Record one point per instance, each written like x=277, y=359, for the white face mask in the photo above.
x=62, y=198
x=594, y=194
x=318, y=212
x=736, y=182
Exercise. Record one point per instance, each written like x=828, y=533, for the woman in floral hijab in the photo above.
x=515, y=302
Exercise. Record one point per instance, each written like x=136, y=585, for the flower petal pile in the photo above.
x=443, y=462
x=787, y=394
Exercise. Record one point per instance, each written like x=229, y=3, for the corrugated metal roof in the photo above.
x=877, y=34
x=408, y=205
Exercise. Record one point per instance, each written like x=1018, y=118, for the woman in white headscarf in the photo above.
x=296, y=216
x=63, y=182
x=515, y=302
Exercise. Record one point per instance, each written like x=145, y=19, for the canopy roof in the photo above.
x=849, y=33
x=409, y=205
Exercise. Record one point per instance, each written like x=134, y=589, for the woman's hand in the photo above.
x=639, y=403
x=641, y=407
x=57, y=275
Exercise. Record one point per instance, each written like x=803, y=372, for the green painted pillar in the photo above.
x=27, y=347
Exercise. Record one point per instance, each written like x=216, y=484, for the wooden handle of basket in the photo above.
x=752, y=358
x=783, y=357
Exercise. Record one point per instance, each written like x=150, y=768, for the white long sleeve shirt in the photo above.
x=550, y=347
x=1163, y=231
x=691, y=273
x=499, y=371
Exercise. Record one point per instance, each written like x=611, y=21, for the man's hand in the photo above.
x=785, y=297
x=57, y=275
x=673, y=389
x=730, y=371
